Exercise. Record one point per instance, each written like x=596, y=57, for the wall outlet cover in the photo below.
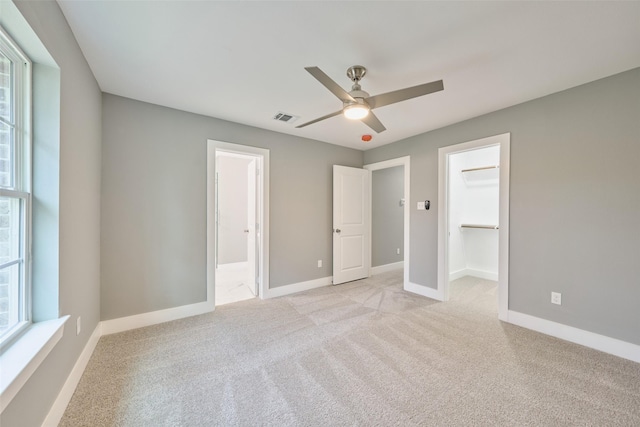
x=556, y=298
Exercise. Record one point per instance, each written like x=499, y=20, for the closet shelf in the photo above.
x=482, y=175
x=485, y=226
x=482, y=168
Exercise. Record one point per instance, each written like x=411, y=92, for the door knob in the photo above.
x=337, y=230
x=246, y=230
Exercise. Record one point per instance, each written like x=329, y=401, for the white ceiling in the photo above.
x=244, y=61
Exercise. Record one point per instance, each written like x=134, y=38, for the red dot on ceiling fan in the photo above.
x=366, y=138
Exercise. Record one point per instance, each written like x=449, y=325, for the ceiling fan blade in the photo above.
x=330, y=84
x=372, y=121
x=404, y=94
x=320, y=119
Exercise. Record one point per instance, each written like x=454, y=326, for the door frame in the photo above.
x=504, y=141
x=262, y=203
x=252, y=218
x=406, y=162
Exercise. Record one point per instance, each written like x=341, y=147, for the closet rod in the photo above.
x=481, y=169
x=488, y=227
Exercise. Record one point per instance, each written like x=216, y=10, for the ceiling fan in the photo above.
x=357, y=104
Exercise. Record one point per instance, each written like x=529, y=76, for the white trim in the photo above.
x=487, y=275
x=481, y=274
x=211, y=222
x=299, y=287
x=22, y=358
x=423, y=290
x=599, y=342
x=503, y=232
x=122, y=324
x=504, y=141
x=64, y=397
x=379, y=269
x=406, y=162
x=236, y=155
x=458, y=274
x=262, y=155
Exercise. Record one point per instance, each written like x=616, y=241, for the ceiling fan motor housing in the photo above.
x=356, y=73
x=359, y=96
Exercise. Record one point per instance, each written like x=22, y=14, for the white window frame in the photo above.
x=20, y=187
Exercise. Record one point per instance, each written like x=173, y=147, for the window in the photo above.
x=15, y=191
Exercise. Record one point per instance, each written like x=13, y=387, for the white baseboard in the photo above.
x=298, y=287
x=233, y=266
x=64, y=397
x=457, y=274
x=487, y=275
x=603, y=343
x=152, y=318
x=379, y=269
x=481, y=274
x=424, y=291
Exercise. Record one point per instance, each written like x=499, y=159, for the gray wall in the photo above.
x=232, y=209
x=154, y=204
x=574, y=202
x=67, y=132
x=387, y=216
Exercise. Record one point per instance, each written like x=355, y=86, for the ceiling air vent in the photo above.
x=284, y=117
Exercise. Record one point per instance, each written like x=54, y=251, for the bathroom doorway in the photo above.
x=237, y=222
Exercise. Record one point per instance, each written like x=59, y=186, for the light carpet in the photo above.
x=363, y=353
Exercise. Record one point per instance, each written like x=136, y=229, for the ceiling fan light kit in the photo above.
x=357, y=104
x=356, y=111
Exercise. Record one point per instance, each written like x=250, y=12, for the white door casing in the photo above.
x=252, y=227
x=351, y=224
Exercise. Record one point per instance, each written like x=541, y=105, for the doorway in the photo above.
x=473, y=215
x=403, y=204
x=235, y=227
x=237, y=221
x=387, y=219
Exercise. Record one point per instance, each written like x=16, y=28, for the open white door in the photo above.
x=252, y=283
x=351, y=224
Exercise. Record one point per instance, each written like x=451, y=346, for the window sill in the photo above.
x=23, y=357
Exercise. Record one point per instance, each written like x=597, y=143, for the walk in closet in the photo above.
x=473, y=213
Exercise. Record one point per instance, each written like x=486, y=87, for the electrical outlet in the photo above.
x=398, y=251
x=319, y=263
x=78, y=325
x=556, y=298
